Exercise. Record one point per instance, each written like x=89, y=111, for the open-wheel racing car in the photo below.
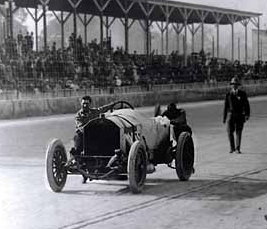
x=123, y=143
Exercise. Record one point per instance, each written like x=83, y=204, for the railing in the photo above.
x=13, y=95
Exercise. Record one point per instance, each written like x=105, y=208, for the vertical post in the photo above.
x=11, y=17
x=126, y=30
x=36, y=29
x=218, y=40
x=233, y=41
x=75, y=32
x=167, y=36
x=213, y=47
x=261, y=50
x=147, y=36
x=246, y=43
x=238, y=48
x=85, y=28
x=62, y=30
x=258, y=38
x=75, y=21
x=101, y=30
x=4, y=31
x=202, y=35
x=162, y=38
x=107, y=26
x=193, y=38
x=185, y=42
x=178, y=39
x=45, y=26
x=7, y=26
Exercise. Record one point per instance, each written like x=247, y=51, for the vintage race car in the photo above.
x=123, y=143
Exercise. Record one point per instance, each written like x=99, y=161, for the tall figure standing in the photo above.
x=236, y=113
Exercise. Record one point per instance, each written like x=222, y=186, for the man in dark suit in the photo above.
x=236, y=113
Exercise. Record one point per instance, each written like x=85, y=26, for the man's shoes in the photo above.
x=231, y=151
x=238, y=151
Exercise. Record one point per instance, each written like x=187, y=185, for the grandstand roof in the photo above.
x=138, y=9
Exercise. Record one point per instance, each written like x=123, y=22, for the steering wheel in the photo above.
x=122, y=104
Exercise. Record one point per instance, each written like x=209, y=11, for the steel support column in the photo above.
x=147, y=37
x=36, y=20
x=178, y=30
x=245, y=24
x=218, y=40
x=258, y=38
x=147, y=10
x=85, y=28
x=186, y=14
x=202, y=16
x=233, y=42
x=162, y=38
x=193, y=38
x=62, y=22
x=161, y=28
x=185, y=42
x=126, y=9
x=107, y=26
x=45, y=27
x=167, y=36
x=202, y=36
x=218, y=17
x=36, y=29
x=10, y=13
x=246, y=43
x=178, y=39
x=85, y=23
x=256, y=23
x=62, y=30
x=101, y=31
x=126, y=35
x=193, y=31
x=238, y=48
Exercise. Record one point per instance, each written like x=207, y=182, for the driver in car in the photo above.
x=178, y=122
x=83, y=116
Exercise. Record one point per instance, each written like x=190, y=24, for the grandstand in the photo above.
x=84, y=65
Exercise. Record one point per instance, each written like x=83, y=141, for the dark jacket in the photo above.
x=175, y=115
x=82, y=117
x=237, y=105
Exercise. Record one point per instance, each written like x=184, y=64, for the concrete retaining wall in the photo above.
x=40, y=107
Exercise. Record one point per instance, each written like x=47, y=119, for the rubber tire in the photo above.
x=185, y=142
x=136, y=186
x=55, y=186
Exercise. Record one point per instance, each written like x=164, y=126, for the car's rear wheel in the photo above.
x=184, y=156
x=137, y=167
x=56, y=159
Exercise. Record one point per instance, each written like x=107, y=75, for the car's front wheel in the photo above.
x=184, y=156
x=137, y=167
x=56, y=159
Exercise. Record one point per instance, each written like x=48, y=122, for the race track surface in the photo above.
x=227, y=191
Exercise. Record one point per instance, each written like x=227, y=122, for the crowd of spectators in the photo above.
x=81, y=66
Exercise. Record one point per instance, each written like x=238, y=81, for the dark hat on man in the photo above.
x=235, y=81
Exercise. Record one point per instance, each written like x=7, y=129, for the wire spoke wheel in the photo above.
x=184, y=157
x=56, y=158
x=137, y=167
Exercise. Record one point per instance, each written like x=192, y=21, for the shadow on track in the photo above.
x=213, y=189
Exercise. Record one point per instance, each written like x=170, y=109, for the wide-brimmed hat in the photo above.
x=235, y=81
